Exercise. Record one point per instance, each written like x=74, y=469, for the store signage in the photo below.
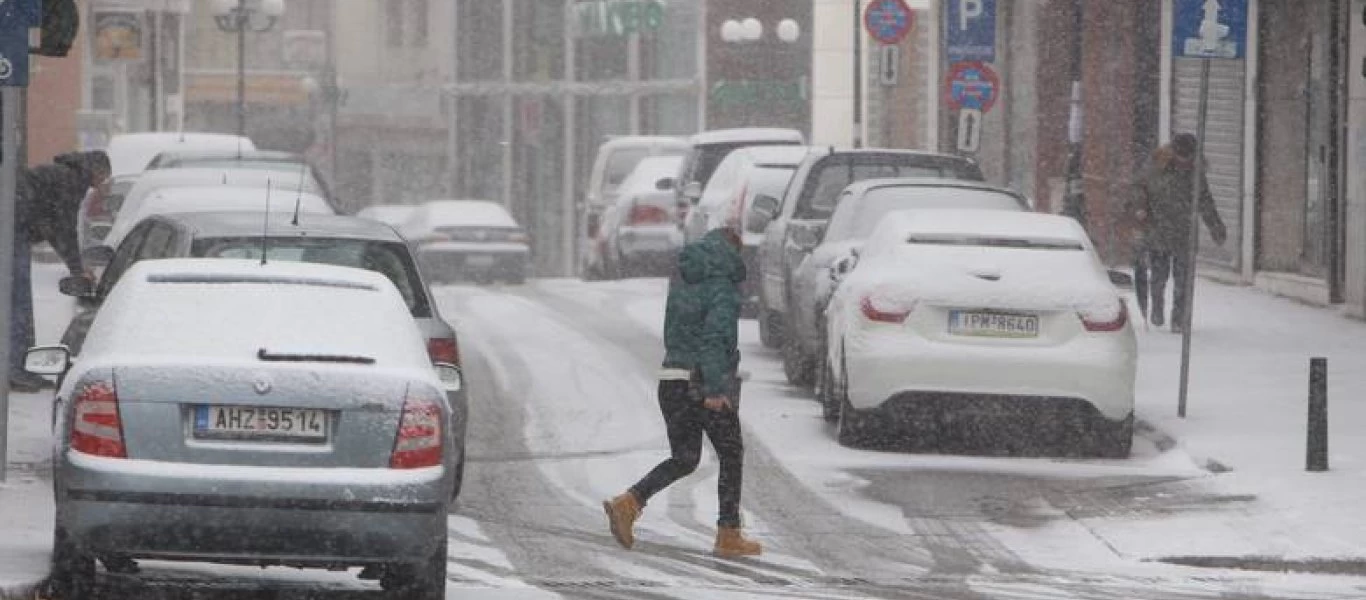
x=617, y=18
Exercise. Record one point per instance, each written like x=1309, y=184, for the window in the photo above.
x=406, y=21
x=123, y=259
x=158, y=244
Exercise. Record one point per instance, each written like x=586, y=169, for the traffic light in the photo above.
x=61, y=22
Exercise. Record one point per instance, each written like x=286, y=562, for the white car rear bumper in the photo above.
x=1097, y=368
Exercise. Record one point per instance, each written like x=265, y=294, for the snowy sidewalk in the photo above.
x=26, y=508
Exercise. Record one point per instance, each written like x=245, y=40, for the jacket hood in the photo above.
x=711, y=257
x=1166, y=157
x=86, y=163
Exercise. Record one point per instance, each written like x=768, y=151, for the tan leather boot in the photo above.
x=622, y=513
x=730, y=543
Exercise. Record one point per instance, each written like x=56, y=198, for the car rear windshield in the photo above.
x=390, y=259
x=832, y=174
x=709, y=157
x=859, y=220
x=996, y=242
x=233, y=163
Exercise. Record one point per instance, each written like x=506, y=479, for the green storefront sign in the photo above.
x=785, y=94
x=619, y=18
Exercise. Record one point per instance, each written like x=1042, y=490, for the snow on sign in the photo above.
x=972, y=85
x=888, y=21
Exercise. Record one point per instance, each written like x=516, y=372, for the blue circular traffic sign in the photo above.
x=888, y=21
x=972, y=85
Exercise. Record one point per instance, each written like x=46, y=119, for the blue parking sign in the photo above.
x=970, y=27
x=13, y=53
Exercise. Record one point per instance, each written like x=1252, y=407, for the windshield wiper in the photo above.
x=269, y=356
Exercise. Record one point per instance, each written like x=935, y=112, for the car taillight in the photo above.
x=1108, y=323
x=443, y=350
x=418, y=443
x=873, y=313
x=646, y=214
x=96, y=428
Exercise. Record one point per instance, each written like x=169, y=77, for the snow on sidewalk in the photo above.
x=26, y=509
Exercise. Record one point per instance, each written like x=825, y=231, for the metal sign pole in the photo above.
x=10, y=100
x=1193, y=242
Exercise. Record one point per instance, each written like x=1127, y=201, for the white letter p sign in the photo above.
x=968, y=10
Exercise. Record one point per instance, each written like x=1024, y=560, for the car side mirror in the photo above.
x=97, y=256
x=99, y=231
x=451, y=377
x=843, y=266
x=665, y=184
x=762, y=212
x=806, y=236
x=1121, y=279
x=77, y=287
x=693, y=191
x=47, y=360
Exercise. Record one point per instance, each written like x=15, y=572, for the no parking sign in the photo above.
x=972, y=85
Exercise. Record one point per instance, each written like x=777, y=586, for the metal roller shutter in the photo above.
x=1223, y=144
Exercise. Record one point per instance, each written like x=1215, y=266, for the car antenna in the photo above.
x=299, y=200
x=265, y=226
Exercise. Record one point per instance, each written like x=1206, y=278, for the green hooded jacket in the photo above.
x=701, y=317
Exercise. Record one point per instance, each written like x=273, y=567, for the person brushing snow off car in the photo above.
x=699, y=389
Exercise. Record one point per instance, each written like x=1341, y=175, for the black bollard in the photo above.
x=1316, y=448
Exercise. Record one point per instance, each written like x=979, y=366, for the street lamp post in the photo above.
x=240, y=16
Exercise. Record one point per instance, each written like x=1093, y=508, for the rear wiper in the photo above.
x=267, y=355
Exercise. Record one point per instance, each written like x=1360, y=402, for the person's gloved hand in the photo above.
x=717, y=403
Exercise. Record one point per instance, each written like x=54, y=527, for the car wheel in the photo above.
x=1115, y=440
x=459, y=477
x=770, y=328
x=854, y=428
x=827, y=394
x=796, y=364
x=73, y=573
x=424, y=581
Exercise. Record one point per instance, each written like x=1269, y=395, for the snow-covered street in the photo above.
x=563, y=415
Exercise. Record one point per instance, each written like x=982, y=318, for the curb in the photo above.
x=1165, y=442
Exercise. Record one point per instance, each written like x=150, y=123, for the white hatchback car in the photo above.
x=949, y=319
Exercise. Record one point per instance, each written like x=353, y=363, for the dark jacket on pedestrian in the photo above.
x=49, y=200
x=702, y=314
x=1162, y=203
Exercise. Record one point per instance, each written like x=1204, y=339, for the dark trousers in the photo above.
x=21, y=303
x=1151, y=286
x=686, y=420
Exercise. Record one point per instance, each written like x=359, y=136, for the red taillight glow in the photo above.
x=443, y=350
x=873, y=313
x=95, y=427
x=519, y=236
x=646, y=214
x=418, y=443
x=1115, y=324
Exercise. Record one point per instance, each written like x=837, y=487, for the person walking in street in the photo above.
x=1162, y=210
x=699, y=390
x=46, y=206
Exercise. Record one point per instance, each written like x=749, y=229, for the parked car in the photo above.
x=640, y=233
x=130, y=153
x=265, y=160
x=706, y=150
x=218, y=413
x=616, y=159
x=951, y=320
x=796, y=222
x=220, y=198
x=468, y=239
x=745, y=174
x=858, y=210
x=99, y=207
x=393, y=215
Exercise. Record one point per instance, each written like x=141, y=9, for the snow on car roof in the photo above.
x=448, y=213
x=747, y=134
x=777, y=155
x=643, y=141
x=212, y=199
x=943, y=222
x=129, y=153
x=647, y=173
x=225, y=311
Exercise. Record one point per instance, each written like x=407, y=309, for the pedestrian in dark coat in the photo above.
x=47, y=203
x=1162, y=209
x=699, y=390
